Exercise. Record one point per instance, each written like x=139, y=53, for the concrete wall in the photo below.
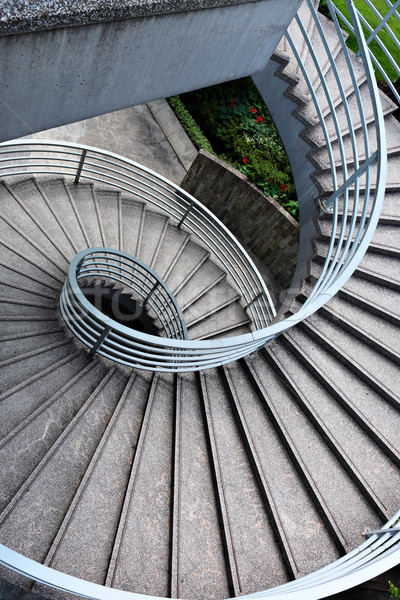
x=258, y=222
x=59, y=76
x=273, y=90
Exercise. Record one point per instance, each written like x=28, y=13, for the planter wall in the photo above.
x=259, y=223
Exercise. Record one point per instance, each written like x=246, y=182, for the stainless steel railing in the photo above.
x=384, y=17
x=356, y=168
x=84, y=162
x=105, y=335
x=380, y=552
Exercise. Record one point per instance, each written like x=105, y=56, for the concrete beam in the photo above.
x=60, y=76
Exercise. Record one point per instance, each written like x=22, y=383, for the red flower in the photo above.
x=252, y=110
x=233, y=103
x=258, y=119
x=283, y=187
x=245, y=160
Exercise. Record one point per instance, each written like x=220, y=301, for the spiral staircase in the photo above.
x=192, y=482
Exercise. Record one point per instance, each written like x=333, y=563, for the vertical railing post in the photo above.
x=187, y=211
x=80, y=166
x=99, y=341
x=150, y=294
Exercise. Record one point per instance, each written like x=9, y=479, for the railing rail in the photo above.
x=393, y=12
x=85, y=162
x=95, y=329
x=356, y=203
x=379, y=553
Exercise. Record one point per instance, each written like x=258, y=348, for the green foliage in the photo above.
x=368, y=14
x=394, y=591
x=189, y=124
x=242, y=133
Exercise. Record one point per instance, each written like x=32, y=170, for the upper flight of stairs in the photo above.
x=199, y=485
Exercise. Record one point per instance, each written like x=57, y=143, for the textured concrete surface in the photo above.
x=133, y=133
x=81, y=72
x=18, y=15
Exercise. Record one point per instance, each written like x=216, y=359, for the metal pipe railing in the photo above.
x=350, y=237
x=87, y=321
x=383, y=17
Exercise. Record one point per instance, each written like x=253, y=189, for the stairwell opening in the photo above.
x=120, y=306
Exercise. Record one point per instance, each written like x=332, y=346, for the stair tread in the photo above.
x=108, y=205
x=339, y=492
x=84, y=200
x=84, y=542
x=236, y=487
x=346, y=435
x=147, y=504
x=194, y=514
x=41, y=428
x=369, y=401
x=22, y=203
x=47, y=493
x=296, y=512
x=228, y=318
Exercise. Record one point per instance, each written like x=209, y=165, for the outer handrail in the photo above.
x=106, y=167
x=349, y=241
x=351, y=230
x=380, y=552
x=393, y=11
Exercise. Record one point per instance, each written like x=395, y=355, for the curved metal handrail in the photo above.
x=380, y=552
x=90, y=325
x=350, y=236
x=81, y=161
x=393, y=12
x=351, y=232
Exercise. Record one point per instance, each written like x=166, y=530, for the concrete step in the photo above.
x=369, y=328
x=34, y=198
x=282, y=489
x=96, y=507
x=194, y=515
x=64, y=206
x=314, y=134
x=235, y=487
x=385, y=236
x=17, y=274
x=29, y=250
x=46, y=494
x=370, y=410
x=147, y=501
x=326, y=185
x=189, y=261
x=110, y=209
x=23, y=398
x=320, y=157
x=132, y=218
x=23, y=204
x=379, y=372
x=173, y=245
x=229, y=318
x=30, y=362
x=342, y=434
x=42, y=427
x=15, y=344
x=154, y=229
x=322, y=456
x=308, y=114
x=84, y=199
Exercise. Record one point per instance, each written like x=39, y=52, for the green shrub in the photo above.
x=241, y=131
x=189, y=124
x=394, y=591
